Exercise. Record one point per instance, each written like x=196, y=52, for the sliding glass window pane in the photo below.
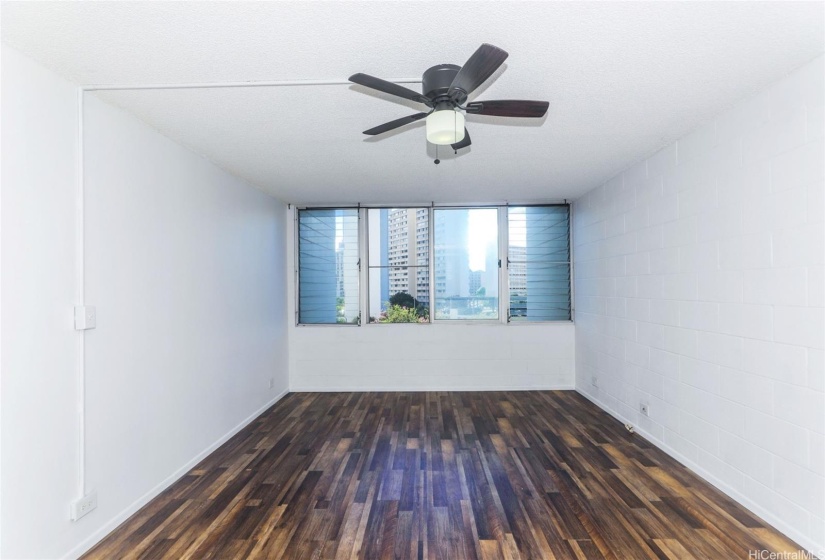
x=539, y=263
x=466, y=263
x=399, y=258
x=328, y=266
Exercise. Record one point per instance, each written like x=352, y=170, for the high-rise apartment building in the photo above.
x=347, y=279
x=408, y=252
x=517, y=274
x=517, y=268
x=475, y=281
x=378, y=260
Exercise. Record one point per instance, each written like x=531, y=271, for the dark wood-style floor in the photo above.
x=439, y=476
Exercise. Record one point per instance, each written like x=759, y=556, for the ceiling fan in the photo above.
x=446, y=88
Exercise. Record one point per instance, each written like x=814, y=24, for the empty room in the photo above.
x=412, y=280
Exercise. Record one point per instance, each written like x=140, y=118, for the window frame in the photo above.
x=365, y=309
x=503, y=254
x=297, y=266
x=433, y=319
x=569, y=263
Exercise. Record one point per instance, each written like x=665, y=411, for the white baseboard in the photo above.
x=390, y=389
x=777, y=523
x=130, y=510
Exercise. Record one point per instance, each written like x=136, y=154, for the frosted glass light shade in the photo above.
x=445, y=127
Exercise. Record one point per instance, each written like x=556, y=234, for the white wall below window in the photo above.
x=699, y=290
x=185, y=265
x=431, y=357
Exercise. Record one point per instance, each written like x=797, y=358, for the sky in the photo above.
x=483, y=230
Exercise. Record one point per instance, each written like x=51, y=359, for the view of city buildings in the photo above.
x=399, y=245
x=408, y=252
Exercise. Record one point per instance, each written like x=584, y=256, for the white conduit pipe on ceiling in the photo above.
x=207, y=85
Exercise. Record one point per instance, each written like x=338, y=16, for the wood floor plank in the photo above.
x=441, y=475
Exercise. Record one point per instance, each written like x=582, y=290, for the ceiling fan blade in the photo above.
x=478, y=68
x=464, y=143
x=388, y=87
x=395, y=124
x=508, y=108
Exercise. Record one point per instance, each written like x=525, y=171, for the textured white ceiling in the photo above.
x=622, y=79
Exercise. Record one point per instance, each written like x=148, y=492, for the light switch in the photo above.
x=85, y=317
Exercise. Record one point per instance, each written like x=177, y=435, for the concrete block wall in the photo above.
x=699, y=291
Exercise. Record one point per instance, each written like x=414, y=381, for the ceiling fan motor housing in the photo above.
x=436, y=82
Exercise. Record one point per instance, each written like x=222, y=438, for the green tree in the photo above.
x=403, y=299
x=400, y=314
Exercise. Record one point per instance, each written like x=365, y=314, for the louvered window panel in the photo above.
x=328, y=266
x=539, y=263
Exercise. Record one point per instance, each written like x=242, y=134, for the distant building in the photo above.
x=347, y=279
x=518, y=269
x=517, y=272
x=385, y=260
x=452, y=261
x=408, y=255
x=475, y=281
x=339, y=270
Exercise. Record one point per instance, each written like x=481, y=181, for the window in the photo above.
x=399, y=265
x=466, y=263
x=538, y=263
x=328, y=266
x=434, y=264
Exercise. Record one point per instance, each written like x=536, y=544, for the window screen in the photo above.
x=328, y=266
x=538, y=263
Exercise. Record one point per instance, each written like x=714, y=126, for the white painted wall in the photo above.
x=37, y=361
x=699, y=289
x=434, y=357
x=185, y=265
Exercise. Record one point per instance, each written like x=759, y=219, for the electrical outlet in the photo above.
x=643, y=408
x=594, y=381
x=271, y=382
x=84, y=505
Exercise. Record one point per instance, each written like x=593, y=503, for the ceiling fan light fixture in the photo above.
x=445, y=127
